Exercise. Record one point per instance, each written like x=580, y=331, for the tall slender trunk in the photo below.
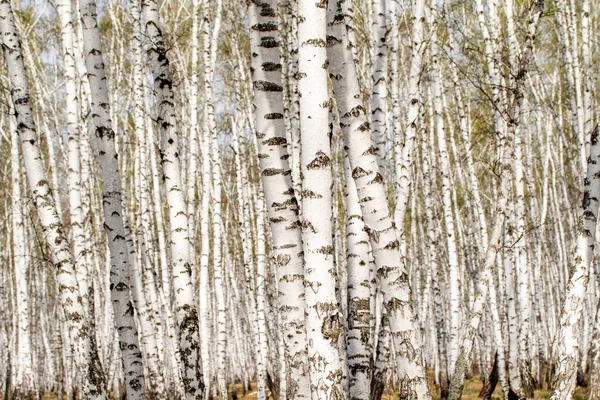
x=145, y=290
x=404, y=150
x=24, y=382
x=323, y=318
x=358, y=338
x=454, y=278
x=376, y=213
x=82, y=339
x=594, y=386
x=282, y=206
x=112, y=205
x=182, y=262
x=567, y=339
x=380, y=87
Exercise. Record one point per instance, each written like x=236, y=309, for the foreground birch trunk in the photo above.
x=358, y=336
x=76, y=210
x=149, y=316
x=24, y=382
x=373, y=201
x=82, y=339
x=181, y=259
x=568, y=336
x=323, y=318
x=282, y=206
x=112, y=205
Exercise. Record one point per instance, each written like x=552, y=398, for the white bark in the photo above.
x=380, y=76
x=404, y=150
x=24, y=378
x=112, y=205
x=567, y=339
x=81, y=338
x=568, y=36
x=182, y=262
x=323, y=317
x=375, y=211
x=261, y=276
x=76, y=209
x=358, y=338
x=454, y=279
x=145, y=293
x=282, y=206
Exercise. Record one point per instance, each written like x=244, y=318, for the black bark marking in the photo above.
x=358, y=172
x=315, y=43
x=265, y=27
x=321, y=161
x=268, y=42
x=265, y=86
x=275, y=141
x=269, y=66
x=271, y=116
x=332, y=41
x=378, y=179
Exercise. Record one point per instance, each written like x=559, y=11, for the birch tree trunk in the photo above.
x=522, y=368
x=594, y=387
x=568, y=336
x=82, y=339
x=373, y=201
x=445, y=170
x=323, y=317
x=404, y=150
x=282, y=206
x=381, y=359
x=358, y=338
x=261, y=277
x=218, y=228
x=148, y=310
x=24, y=379
x=112, y=205
x=181, y=259
x=380, y=76
x=441, y=331
x=76, y=211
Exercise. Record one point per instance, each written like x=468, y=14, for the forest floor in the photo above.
x=471, y=392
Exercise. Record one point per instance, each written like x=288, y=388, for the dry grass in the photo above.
x=473, y=385
x=471, y=392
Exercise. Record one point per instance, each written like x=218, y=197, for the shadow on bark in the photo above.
x=490, y=382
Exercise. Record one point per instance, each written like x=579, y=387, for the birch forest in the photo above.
x=299, y=199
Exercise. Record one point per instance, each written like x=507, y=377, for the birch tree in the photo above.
x=76, y=211
x=378, y=222
x=323, y=318
x=568, y=337
x=181, y=260
x=82, y=339
x=282, y=205
x=444, y=161
x=404, y=148
x=112, y=203
x=24, y=367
